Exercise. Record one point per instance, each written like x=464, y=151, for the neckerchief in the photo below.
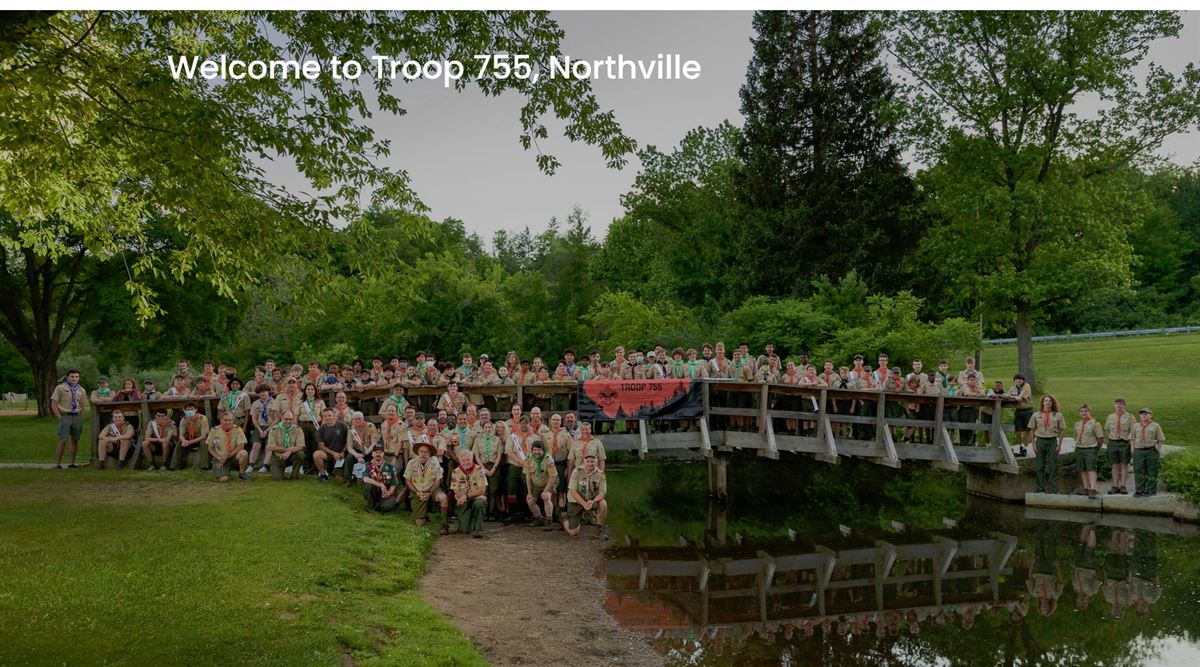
x=115, y=430
x=462, y=435
x=359, y=434
x=263, y=415
x=228, y=440
x=519, y=441
x=537, y=462
x=1082, y=426
x=287, y=435
x=1046, y=418
x=487, y=446
x=1118, y=415
x=583, y=372
x=554, y=441
x=103, y=391
x=233, y=398
x=584, y=449
x=191, y=425
x=74, y=399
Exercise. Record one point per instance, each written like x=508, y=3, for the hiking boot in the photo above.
x=534, y=523
x=478, y=534
x=245, y=477
x=547, y=525
x=445, y=529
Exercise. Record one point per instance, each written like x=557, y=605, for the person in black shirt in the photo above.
x=331, y=446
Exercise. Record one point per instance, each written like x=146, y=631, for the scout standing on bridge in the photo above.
x=1118, y=428
x=68, y=402
x=1048, y=427
x=1088, y=436
x=1024, y=410
x=1148, y=441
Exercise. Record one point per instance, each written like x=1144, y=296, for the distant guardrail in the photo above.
x=1099, y=334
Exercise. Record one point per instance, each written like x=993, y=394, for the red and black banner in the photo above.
x=606, y=400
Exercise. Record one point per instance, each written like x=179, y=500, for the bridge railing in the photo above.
x=768, y=418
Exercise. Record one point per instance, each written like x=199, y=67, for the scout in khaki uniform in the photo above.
x=260, y=427
x=585, y=445
x=381, y=488
x=469, y=484
x=452, y=401
x=68, y=402
x=488, y=449
x=516, y=452
x=969, y=362
x=362, y=439
x=236, y=402
x=193, y=430
x=1088, y=436
x=160, y=435
x=1048, y=427
x=1148, y=440
x=102, y=393
x=558, y=443
x=541, y=482
x=393, y=433
x=586, y=493
x=423, y=477
x=227, y=447
x=308, y=417
x=286, y=447
x=1118, y=429
x=1024, y=408
x=287, y=400
x=117, y=434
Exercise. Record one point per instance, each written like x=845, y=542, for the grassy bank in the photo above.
x=1154, y=371
x=27, y=438
x=151, y=569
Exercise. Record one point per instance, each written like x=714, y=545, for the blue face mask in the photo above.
x=190, y=413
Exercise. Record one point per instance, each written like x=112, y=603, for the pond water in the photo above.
x=808, y=563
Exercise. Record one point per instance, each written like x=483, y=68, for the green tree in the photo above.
x=822, y=179
x=98, y=137
x=1028, y=184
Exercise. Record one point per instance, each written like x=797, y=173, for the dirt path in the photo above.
x=547, y=613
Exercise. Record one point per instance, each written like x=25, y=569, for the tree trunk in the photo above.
x=1024, y=326
x=45, y=377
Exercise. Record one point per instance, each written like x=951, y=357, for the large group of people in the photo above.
x=475, y=455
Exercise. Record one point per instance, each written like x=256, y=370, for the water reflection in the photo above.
x=985, y=587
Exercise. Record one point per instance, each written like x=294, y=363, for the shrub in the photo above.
x=1181, y=474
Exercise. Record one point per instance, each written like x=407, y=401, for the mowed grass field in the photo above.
x=1159, y=372
x=144, y=568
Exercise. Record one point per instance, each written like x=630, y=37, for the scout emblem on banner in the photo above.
x=604, y=400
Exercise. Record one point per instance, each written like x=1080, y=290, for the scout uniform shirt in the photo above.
x=452, y=404
x=1024, y=395
x=581, y=448
x=193, y=427
x=487, y=449
x=558, y=445
x=112, y=432
x=1047, y=425
x=400, y=402
x=260, y=411
x=740, y=371
x=540, y=472
x=285, y=438
x=962, y=377
x=70, y=399
x=384, y=473
x=153, y=431
x=103, y=394
x=343, y=414
x=237, y=403
x=226, y=444
x=1147, y=436
x=517, y=448
x=1119, y=429
x=284, y=402
x=588, y=486
x=361, y=440
x=310, y=412
x=690, y=369
x=425, y=477
x=1088, y=434
x=394, y=436
x=464, y=484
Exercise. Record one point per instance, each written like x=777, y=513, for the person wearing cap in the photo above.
x=517, y=447
x=68, y=402
x=541, y=481
x=381, y=488
x=1148, y=440
x=1088, y=436
x=286, y=447
x=236, y=402
x=488, y=450
x=469, y=484
x=1047, y=429
x=331, y=447
x=227, y=448
x=1118, y=429
x=102, y=393
x=586, y=494
x=150, y=390
x=117, y=434
x=584, y=445
x=193, y=430
x=160, y=435
x=422, y=477
x=260, y=426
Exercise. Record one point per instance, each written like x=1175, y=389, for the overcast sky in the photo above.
x=462, y=153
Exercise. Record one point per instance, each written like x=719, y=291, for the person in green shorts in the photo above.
x=68, y=402
x=423, y=477
x=1118, y=429
x=193, y=430
x=586, y=494
x=1148, y=440
x=1047, y=428
x=488, y=450
x=1021, y=391
x=1088, y=436
x=469, y=484
x=160, y=435
x=227, y=447
x=540, y=483
x=285, y=446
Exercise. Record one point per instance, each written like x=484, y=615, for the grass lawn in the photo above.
x=1159, y=372
x=27, y=438
x=147, y=568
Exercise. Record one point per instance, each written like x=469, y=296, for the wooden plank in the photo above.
x=950, y=462
x=825, y=431
x=735, y=412
x=705, y=440
x=764, y=405
x=744, y=440
x=871, y=450
x=978, y=455
x=772, y=450
x=799, y=443
x=642, y=428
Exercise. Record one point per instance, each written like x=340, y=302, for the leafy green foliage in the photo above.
x=1181, y=474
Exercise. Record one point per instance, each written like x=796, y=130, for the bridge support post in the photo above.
x=718, y=473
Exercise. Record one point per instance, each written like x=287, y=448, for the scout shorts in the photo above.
x=221, y=470
x=576, y=515
x=1087, y=458
x=70, y=426
x=1119, y=452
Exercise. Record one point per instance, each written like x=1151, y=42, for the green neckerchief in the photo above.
x=462, y=435
x=287, y=435
x=537, y=461
x=584, y=372
x=234, y=397
x=487, y=446
x=945, y=379
x=312, y=408
x=400, y=401
x=103, y=391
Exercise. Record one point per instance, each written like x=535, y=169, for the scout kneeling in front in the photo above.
x=227, y=447
x=586, y=497
x=423, y=475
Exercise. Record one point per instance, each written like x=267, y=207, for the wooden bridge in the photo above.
x=769, y=419
x=794, y=581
